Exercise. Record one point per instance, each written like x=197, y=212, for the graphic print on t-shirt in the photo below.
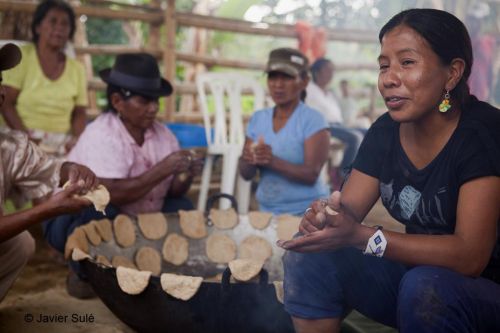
x=387, y=195
x=408, y=201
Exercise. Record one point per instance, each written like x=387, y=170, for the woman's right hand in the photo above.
x=263, y=154
x=326, y=226
x=248, y=155
x=315, y=216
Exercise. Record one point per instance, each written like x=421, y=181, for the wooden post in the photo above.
x=169, y=57
x=154, y=41
x=80, y=40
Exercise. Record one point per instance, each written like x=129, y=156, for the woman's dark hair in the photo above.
x=317, y=66
x=41, y=11
x=110, y=90
x=303, y=75
x=447, y=36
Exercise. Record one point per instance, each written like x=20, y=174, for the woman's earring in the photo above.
x=445, y=104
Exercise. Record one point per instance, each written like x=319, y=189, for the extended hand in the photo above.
x=177, y=162
x=197, y=163
x=263, y=154
x=77, y=173
x=315, y=216
x=65, y=201
x=247, y=154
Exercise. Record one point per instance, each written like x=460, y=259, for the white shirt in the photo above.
x=324, y=102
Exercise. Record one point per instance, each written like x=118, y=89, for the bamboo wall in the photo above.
x=157, y=18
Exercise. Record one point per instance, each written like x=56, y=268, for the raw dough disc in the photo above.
x=148, y=259
x=122, y=261
x=180, y=286
x=259, y=220
x=79, y=255
x=100, y=259
x=104, y=229
x=220, y=248
x=280, y=293
x=99, y=196
x=77, y=239
x=192, y=223
x=175, y=249
x=288, y=226
x=92, y=234
x=152, y=225
x=224, y=219
x=245, y=269
x=124, y=230
x=256, y=248
x=132, y=281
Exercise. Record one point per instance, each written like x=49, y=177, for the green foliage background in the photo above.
x=368, y=15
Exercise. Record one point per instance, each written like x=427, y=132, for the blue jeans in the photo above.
x=57, y=230
x=351, y=138
x=411, y=299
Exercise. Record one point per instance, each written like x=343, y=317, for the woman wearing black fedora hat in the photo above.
x=135, y=157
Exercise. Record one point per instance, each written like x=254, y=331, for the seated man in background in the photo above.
x=27, y=172
x=350, y=111
x=321, y=98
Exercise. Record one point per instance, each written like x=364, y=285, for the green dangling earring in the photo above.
x=445, y=104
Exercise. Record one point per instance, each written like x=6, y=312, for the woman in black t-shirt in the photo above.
x=434, y=160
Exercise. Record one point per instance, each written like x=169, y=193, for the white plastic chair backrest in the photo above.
x=227, y=90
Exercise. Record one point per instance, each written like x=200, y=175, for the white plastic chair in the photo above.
x=228, y=136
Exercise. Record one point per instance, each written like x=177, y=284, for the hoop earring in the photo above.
x=445, y=104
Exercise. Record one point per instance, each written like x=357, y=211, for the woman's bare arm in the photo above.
x=316, y=149
x=78, y=120
x=469, y=249
x=9, y=110
x=123, y=191
x=466, y=251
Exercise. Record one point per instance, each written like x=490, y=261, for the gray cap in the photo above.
x=287, y=60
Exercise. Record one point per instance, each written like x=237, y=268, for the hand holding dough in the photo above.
x=99, y=197
x=254, y=145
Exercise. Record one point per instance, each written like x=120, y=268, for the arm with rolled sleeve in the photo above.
x=27, y=173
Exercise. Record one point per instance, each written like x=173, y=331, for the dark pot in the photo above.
x=216, y=307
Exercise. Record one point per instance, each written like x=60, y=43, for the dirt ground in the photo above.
x=39, y=293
